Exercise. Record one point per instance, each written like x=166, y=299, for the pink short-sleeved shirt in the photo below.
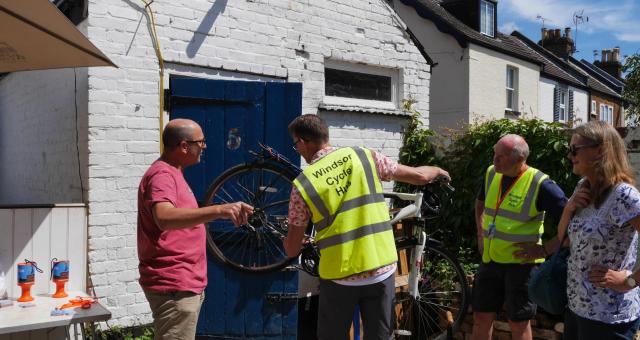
x=170, y=260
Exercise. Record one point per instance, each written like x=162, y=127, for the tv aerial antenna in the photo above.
x=578, y=19
x=543, y=19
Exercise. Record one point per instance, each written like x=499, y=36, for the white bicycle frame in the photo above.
x=412, y=210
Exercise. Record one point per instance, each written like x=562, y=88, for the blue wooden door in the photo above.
x=235, y=116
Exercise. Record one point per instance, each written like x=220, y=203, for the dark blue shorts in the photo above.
x=498, y=284
x=579, y=328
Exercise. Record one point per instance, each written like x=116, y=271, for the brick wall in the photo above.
x=275, y=39
x=38, y=128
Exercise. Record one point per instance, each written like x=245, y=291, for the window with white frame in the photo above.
x=487, y=17
x=606, y=113
x=562, y=102
x=512, y=88
x=593, y=107
x=347, y=84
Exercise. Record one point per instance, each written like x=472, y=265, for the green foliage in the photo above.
x=144, y=332
x=418, y=144
x=466, y=158
x=631, y=91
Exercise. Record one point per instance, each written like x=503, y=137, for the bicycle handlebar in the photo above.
x=268, y=152
x=441, y=182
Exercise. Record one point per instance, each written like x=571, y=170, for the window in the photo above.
x=348, y=84
x=610, y=115
x=487, y=15
x=340, y=83
x=593, y=107
x=563, y=105
x=512, y=88
x=606, y=113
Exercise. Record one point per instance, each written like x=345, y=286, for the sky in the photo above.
x=610, y=23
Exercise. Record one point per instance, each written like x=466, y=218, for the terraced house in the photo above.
x=480, y=73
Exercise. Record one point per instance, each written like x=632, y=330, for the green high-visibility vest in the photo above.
x=516, y=220
x=344, y=195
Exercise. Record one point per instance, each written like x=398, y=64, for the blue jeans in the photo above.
x=577, y=327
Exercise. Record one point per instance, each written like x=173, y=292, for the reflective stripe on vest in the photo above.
x=517, y=219
x=511, y=237
x=353, y=234
x=349, y=212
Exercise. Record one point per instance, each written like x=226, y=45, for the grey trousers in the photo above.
x=337, y=304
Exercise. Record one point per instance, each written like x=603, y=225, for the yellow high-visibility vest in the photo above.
x=344, y=195
x=516, y=220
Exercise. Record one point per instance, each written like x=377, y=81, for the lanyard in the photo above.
x=502, y=196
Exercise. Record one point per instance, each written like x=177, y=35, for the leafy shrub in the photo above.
x=466, y=157
x=142, y=332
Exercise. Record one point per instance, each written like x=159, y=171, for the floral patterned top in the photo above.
x=604, y=237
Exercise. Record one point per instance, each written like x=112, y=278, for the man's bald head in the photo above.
x=518, y=146
x=178, y=130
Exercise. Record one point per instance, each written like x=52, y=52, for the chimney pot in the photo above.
x=556, y=33
x=603, y=56
x=544, y=34
x=615, y=57
x=567, y=32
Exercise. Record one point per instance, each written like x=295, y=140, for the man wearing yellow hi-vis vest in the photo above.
x=510, y=211
x=340, y=192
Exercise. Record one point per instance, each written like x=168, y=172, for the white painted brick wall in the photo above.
x=373, y=131
x=269, y=39
x=38, y=136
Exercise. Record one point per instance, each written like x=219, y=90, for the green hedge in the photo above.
x=467, y=155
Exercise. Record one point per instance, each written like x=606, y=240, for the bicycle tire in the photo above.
x=442, y=287
x=255, y=247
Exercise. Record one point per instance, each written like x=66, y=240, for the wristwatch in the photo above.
x=631, y=282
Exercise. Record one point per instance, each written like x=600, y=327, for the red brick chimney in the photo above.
x=610, y=62
x=561, y=45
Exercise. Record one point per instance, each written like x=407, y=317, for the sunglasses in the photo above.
x=573, y=149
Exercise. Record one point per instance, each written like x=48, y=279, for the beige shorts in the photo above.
x=175, y=315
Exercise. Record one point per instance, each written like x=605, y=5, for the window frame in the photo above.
x=562, y=105
x=487, y=27
x=511, y=92
x=392, y=73
x=594, y=107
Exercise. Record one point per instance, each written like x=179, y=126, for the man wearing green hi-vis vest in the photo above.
x=341, y=193
x=510, y=211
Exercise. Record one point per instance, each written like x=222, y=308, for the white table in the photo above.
x=14, y=319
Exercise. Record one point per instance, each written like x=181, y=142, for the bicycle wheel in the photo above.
x=257, y=246
x=442, y=289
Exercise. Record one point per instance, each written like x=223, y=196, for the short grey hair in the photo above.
x=520, y=147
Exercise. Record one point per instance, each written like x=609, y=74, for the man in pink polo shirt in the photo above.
x=172, y=234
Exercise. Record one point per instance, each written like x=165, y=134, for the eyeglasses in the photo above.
x=201, y=143
x=573, y=149
x=295, y=144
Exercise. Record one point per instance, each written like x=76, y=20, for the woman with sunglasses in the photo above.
x=602, y=218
